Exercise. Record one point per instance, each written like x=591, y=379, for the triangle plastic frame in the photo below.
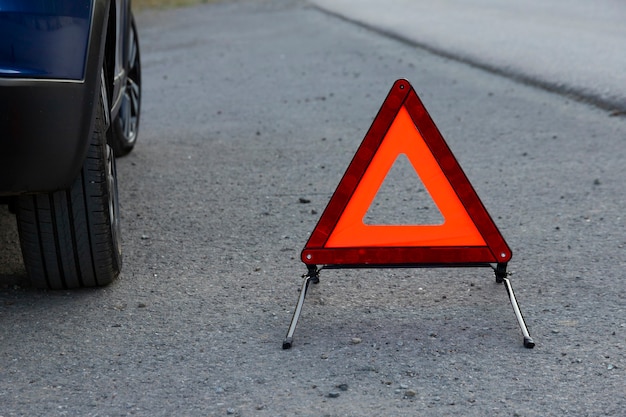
x=318, y=251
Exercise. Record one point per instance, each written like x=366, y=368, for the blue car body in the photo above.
x=51, y=56
x=44, y=39
x=70, y=94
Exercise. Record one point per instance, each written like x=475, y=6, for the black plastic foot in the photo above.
x=529, y=343
x=500, y=273
x=287, y=343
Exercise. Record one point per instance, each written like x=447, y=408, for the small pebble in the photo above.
x=333, y=394
x=342, y=387
x=410, y=393
x=356, y=340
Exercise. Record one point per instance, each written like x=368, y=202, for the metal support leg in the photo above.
x=528, y=341
x=311, y=276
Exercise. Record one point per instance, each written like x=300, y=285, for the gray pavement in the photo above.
x=572, y=47
x=252, y=111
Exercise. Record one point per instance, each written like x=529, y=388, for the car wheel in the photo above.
x=71, y=238
x=125, y=126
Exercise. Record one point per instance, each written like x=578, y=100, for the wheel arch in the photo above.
x=109, y=63
x=45, y=122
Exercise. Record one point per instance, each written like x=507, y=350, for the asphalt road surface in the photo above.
x=252, y=111
x=573, y=47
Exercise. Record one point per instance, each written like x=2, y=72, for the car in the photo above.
x=70, y=101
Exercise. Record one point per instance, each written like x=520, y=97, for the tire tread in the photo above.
x=66, y=236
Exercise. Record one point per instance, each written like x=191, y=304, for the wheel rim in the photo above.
x=111, y=178
x=131, y=98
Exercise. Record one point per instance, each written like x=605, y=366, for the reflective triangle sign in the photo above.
x=403, y=129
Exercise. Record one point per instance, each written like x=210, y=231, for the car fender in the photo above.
x=46, y=122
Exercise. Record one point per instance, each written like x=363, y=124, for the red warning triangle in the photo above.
x=467, y=235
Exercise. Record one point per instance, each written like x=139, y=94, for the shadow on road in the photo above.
x=12, y=271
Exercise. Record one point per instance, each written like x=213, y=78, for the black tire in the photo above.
x=71, y=238
x=125, y=126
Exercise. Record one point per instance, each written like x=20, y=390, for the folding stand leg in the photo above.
x=501, y=274
x=311, y=276
x=528, y=341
